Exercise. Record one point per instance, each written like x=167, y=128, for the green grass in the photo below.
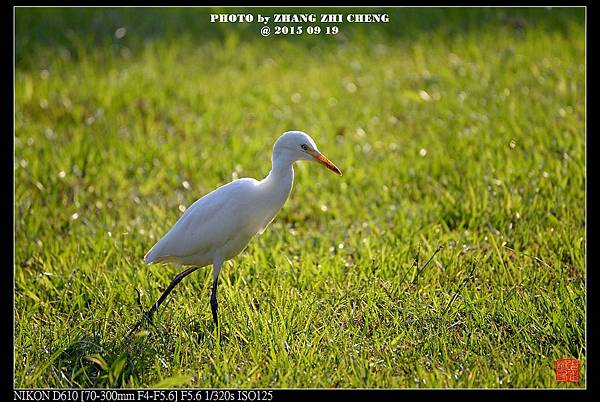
x=460, y=129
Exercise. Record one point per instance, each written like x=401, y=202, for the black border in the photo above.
x=279, y=394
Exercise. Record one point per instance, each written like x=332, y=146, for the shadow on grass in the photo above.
x=89, y=361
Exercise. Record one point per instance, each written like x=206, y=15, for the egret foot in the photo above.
x=148, y=314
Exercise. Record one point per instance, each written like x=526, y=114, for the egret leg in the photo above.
x=214, y=304
x=148, y=314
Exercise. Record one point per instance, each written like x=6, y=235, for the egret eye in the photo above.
x=304, y=147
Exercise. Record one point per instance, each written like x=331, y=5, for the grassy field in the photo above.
x=458, y=130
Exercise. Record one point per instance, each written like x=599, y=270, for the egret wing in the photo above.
x=207, y=224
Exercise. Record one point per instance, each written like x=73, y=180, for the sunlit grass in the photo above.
x=472, y=141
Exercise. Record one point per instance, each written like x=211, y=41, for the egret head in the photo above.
x=296, y=145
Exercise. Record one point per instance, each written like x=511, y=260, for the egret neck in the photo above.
x=278, y=183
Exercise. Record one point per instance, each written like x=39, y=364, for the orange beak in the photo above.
x=325, y=162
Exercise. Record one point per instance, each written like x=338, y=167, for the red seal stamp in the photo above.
x=567, y=370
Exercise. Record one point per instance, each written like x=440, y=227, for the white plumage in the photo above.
x=214, y=225
x=218, y=226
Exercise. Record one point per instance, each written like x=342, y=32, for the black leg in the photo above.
x=214, y=305
x=148, y=314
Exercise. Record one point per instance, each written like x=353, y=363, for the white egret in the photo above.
x=218, y=226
